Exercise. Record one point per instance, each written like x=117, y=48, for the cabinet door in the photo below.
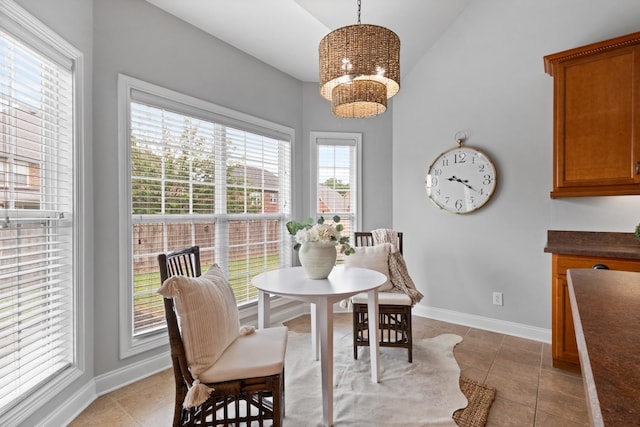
x=596, y=147
x=564, y=349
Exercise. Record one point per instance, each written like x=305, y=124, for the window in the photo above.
x=39, y=261
x=336, y=178
x=199, y=175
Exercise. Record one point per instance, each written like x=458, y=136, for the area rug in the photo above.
x=423, y=393
x=480, y=397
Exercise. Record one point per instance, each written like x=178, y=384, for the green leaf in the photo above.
x=321, y=220
x=292, y=227
x=339, y=227
x=336, y=219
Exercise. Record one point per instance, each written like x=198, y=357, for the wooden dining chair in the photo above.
x=246, y=380
x=394, y=311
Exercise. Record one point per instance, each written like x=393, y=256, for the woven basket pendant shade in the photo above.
x=360, y=98
x=359, y=69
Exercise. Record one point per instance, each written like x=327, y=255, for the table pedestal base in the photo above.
x=322, y=294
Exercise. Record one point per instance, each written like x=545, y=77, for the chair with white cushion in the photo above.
x=225, y=375
x=394, y=308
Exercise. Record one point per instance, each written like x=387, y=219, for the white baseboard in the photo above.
x=77, y=403
x=131, y=373
x=282, y=309
x=288, y=312
x=486, y=323
x=105, y=383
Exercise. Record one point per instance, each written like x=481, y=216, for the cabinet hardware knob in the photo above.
x=637, y=168
x=600, y=267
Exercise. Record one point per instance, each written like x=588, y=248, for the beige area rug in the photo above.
x=423, y=393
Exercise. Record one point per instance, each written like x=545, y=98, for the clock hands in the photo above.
x=463, y=182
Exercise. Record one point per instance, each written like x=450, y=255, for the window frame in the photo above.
x=350, y=139
x=39, y=37
x=130, y=90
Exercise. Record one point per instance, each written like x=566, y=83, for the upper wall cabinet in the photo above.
x=596, y=141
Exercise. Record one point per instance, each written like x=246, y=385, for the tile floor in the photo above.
x=530, y=391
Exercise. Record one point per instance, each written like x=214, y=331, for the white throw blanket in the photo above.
x=398, y=273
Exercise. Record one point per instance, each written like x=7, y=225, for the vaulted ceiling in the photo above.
x=285, y=33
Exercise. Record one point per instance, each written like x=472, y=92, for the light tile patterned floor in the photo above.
x=530, y=391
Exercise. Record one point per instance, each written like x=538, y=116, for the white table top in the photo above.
x=342, y=282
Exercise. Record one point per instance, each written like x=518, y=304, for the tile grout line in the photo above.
x=123, y=409
x=495, y=356
x=535, y=406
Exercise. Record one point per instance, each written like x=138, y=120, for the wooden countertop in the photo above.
x=593, y=243
x=606, y=316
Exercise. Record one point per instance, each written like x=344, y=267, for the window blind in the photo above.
x=197, y=181
x=36, y=213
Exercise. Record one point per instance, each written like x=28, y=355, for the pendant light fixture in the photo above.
x=359, y=69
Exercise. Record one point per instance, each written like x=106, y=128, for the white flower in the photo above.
x=307, y=231
x=317, y=233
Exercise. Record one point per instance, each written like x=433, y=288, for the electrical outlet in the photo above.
x=497, y=298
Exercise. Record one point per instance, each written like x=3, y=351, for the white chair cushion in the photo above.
x=384, y=298
x=372, y=257
x=257, y=355
x=207, y=316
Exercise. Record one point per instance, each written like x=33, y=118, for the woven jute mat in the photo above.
x=480, y=397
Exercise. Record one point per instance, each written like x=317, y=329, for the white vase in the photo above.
x=318, y=259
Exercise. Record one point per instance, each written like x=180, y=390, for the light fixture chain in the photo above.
x=359, y=6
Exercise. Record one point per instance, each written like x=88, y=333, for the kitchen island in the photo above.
x=606, y=317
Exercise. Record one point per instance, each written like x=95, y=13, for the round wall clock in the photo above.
x=461, y=180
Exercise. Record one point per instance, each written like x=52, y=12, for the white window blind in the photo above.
x=196, y=180
x=36, y=212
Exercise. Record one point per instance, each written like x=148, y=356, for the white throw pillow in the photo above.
x=372, y=257
x=207, y=316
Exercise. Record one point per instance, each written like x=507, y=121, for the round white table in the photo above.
x=342, y=283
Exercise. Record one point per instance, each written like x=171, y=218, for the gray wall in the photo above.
x=485, y=76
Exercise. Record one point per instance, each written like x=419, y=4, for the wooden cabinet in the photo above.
x=596, y=146
x=564, y=349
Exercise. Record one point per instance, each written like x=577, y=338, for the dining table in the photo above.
x=342, y=283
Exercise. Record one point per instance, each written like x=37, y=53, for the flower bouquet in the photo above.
x=307, y=231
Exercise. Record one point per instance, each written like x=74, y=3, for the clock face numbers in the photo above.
x=461, y=180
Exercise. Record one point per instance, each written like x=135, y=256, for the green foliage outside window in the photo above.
x=186, y=174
